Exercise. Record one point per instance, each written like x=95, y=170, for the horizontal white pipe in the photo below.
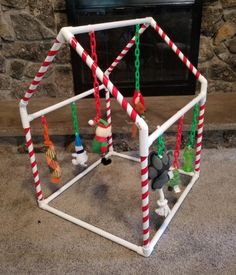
x=168, y=219
x=106, y=26
x=186, y=173
x=92, y=228
x=173, y=119
x=61, y=104
x=72, y=181
x=125, y=156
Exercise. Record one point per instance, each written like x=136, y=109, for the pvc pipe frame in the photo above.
x=105, y=26
x=144, y=251
x=145, y=139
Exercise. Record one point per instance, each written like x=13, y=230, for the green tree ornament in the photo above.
x=189, y=154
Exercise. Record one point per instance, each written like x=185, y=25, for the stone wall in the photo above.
x=27, y=30
x=217, y=57
x=28, y=27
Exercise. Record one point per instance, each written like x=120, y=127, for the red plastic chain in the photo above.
x=95, y=80
x=178, y=143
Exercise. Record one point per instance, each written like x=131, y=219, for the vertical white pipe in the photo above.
x=144, y=149
x=108, y=111
x=30, y=147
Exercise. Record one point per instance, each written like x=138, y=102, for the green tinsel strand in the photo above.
x=160, y=146
x=137, y=59
x=189, y=152
x=191, y=141
x=74, y=117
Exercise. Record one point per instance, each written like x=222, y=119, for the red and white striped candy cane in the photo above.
x=108, y=111
x=132, y=114
x=199, y=137
x=125, y=50
x=33, y=162
x=32, y=89
x=175, y=49
x=43, y=69
x=145, y=199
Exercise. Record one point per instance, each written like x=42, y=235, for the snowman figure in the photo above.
x=100, y=141
x=80, y=157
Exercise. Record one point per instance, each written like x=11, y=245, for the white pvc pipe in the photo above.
x=107, y=26
x=125, y=156
x=168, y=219
x=72, y=181
x=203, y=89
x=24, y=115
x=92, y=228
x=85, y=172
x=161, y=129
x=145, y=140
x=28, y=137
x=61, y=104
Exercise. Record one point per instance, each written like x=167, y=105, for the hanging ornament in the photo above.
x=189, y=151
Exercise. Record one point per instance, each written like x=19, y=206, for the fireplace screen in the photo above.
x=160, y=71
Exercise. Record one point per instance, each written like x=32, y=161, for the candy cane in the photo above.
x=42, y=70
x=125, y=50
x=199, y=137
x=175, y=49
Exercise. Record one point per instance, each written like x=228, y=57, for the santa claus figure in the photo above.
x=100, y=141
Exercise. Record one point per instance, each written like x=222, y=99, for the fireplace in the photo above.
x=161, y=72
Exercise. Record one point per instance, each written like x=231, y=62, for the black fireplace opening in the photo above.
x=161, y=72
